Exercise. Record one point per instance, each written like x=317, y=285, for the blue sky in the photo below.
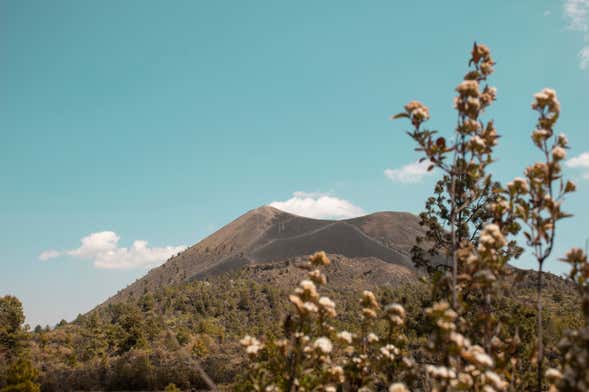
x=161, y=121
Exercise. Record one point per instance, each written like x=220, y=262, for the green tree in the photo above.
x=172, y=388
x=12, y=335
x=21, y=377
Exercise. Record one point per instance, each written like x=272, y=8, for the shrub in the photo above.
x=472, y=222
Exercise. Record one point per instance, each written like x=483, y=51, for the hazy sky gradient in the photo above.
x=163, y=120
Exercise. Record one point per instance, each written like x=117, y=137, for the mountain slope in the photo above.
x=266, y=235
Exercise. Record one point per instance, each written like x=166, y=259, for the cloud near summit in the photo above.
x=103, y=249
x=318, y=206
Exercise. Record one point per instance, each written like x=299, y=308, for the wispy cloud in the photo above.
x=584, y=58
x=409, y=174
x=580, y=162
x=103, y=249
x=49, y=254
x=577, y=14
x=318, y=206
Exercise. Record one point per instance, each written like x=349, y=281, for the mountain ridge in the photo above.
x=266, y=235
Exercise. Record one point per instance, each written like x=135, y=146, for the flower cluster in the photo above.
x=371, y=358
x=417, y=112
x=468, y=366
x=302, y=360
x=547, y=104
x=481, y=58
x=313, y=355
x=471, y=99
x=252, y=345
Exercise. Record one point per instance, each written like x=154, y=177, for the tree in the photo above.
x=465, y=188
x=538, y=198
x=11, y=334
x=172, y=388
x=21, y=377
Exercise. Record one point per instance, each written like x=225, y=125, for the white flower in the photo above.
x=328, y=305
x=458, y=339
x=253, y=349
x=296, y=300
x=518, y=185
x=417, y=109
x=540, y=134
x=248, y=341
x=337, y=372
x=309, y=288
x=251, y=344
x=468, y=88
x=473, y=103
x=319, y=258
x=326, y=302
x=389, y=351
x=369, y=300
x=477, y=143
x=483, y=359
x=494, y=379
x=323, y=344
x=558, y=153
x=465, y=378
x=491, y=237
x=553, y=375
x=398, y=387
x=372, y=338
x=310, y=307
x=395, y=309
x=476, y=355
x=368, y=313
x=317, y=277
x=440, y=372
x=420, y=114
x=546, y=98
x=345, y=336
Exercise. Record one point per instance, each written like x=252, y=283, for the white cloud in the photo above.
x=49, y=254
x=581, y=162
x=576, y=11
x=104, y=251
x=409, y=174
x=577, y=14
x=96, y=244
x=584, y=56
x=318, y=206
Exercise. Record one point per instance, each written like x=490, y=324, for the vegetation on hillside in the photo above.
x=164, y=336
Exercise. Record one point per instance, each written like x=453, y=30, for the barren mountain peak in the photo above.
x=267, y=235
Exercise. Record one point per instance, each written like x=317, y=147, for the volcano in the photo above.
x=266, y=236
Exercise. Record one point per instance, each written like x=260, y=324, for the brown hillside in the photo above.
x=267, y=235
